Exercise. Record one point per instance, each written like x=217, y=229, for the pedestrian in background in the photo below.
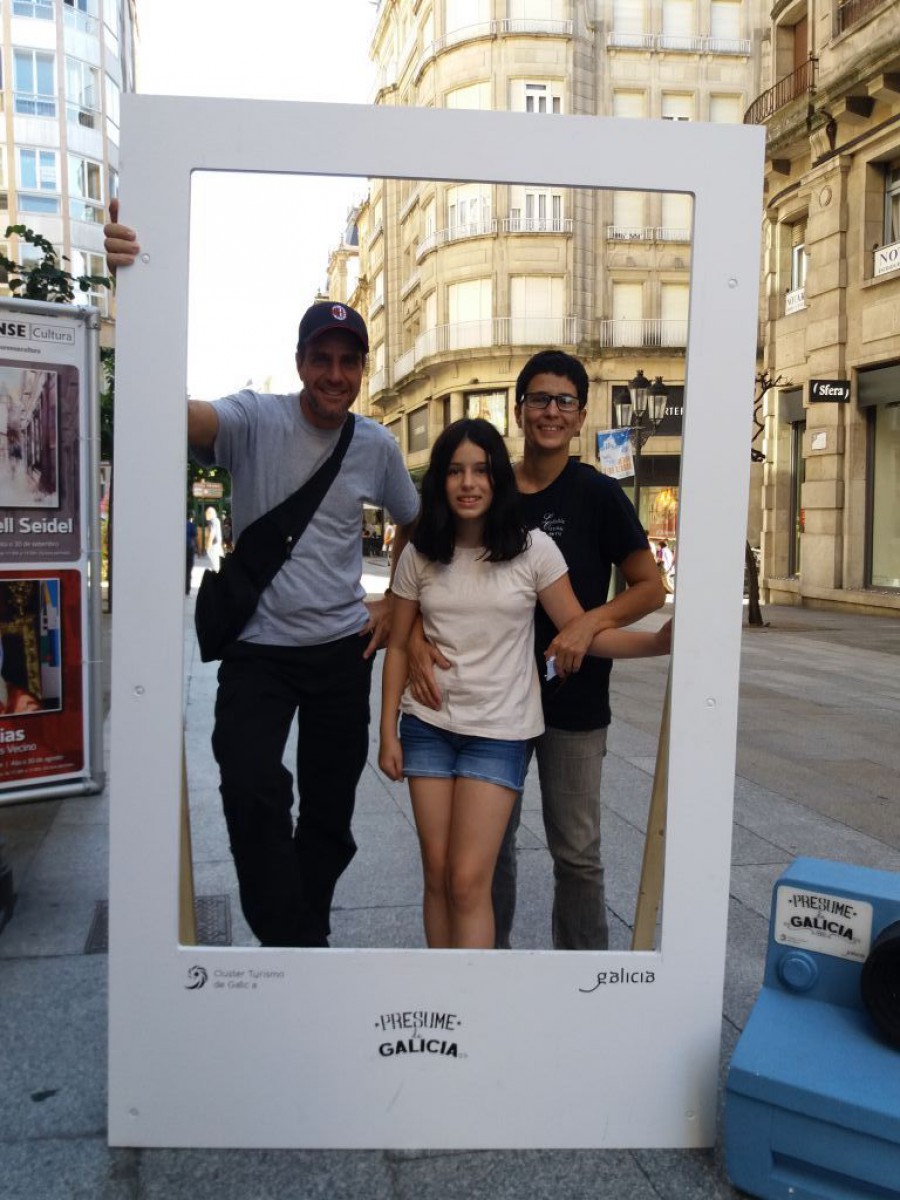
x=190, y=553
x=213, y=538
x=665, y=560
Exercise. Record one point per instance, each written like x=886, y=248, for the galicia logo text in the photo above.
x=419, y=1046
x=614, y=977
x=821, y=925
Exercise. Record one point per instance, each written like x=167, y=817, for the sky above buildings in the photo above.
x=273, y=50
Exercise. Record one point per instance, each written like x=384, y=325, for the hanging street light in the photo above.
x=641, y=414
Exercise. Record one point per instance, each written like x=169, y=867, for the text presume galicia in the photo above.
x=840, y=926
x=419, y=1031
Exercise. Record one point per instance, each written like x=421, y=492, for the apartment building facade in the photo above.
x=463, y=281
x=831, y=305
x=64, y=65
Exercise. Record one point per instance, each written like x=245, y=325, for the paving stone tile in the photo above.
x=83, y=810
x=539, y=1175
x=67, y=1169
x=752, y=885
x=748, y=847
x=748, y=932
x=387, y=927
x=51, y=1009
x=265, y=1175
x=47, y=924
x=685, y=1175
x=69, y=855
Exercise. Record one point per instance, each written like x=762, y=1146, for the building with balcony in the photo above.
x=64, y=64
x=461, y=282
x=831, y=304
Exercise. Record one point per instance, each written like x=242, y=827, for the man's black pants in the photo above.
x=286, y=872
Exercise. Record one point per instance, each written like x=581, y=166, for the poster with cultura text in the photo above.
x=47, y=402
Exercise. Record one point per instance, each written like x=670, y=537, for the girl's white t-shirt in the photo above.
x=480, y=615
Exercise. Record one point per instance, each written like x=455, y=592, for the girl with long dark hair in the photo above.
x=475, y=573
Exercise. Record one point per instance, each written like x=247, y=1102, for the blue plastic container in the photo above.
x=812, y=1101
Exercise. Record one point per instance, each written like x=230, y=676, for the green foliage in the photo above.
x=107, y=401
x=46, y=279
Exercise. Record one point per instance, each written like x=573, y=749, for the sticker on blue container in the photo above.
x=828, y=924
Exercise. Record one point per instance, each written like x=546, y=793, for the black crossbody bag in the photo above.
x=227, y=598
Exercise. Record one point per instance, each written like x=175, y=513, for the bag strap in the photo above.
x=266, y=544
x=295, y=513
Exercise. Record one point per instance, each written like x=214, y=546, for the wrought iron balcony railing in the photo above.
x=629, y=233
x=647, y=233
x=537, y=225
x=646, y=331
x=688, y=44
x=799, y=83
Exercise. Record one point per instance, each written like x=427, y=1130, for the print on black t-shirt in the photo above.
x=592, y=521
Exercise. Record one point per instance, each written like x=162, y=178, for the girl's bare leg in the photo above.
x=432, y=804
x=480, y=813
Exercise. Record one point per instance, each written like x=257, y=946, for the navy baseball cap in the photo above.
x=327, y=315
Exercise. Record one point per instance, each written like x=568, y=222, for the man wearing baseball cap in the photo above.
x=308, y=649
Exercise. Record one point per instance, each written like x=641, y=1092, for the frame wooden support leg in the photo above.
x=187, y=921
x=650, y=890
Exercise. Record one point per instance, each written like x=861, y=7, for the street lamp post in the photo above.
x=641, y=414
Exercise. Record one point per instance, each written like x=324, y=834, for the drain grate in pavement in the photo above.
x=213, y=917
x=212, y=913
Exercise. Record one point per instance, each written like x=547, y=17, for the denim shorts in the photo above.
x=439, y=754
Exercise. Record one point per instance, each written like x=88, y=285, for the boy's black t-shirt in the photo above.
x=592, y=521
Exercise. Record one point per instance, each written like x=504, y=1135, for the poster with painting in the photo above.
x=41, y=435
x=42, y=733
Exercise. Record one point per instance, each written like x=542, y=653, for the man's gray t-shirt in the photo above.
x=271, y=450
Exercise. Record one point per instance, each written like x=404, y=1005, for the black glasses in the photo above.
x=542, y=400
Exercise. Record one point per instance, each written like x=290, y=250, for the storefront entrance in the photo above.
x=879, y=392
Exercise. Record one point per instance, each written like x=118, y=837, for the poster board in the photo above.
x=50, y=702
x=411, y=1048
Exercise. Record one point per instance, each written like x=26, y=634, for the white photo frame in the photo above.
x=521, y=1049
